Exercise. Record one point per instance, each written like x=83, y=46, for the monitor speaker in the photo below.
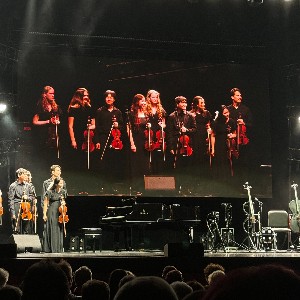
x=194, y=250
x=159, y=183
x=26, y=242
x=8, y=251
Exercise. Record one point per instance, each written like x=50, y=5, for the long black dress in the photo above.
x=53, y=231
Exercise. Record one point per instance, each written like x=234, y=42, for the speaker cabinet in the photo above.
x=189, y=250
x=8, y=251
x=160, y=183
x=26, y=242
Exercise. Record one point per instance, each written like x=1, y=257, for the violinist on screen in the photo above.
x=181, y=125
x=19, y=202
x=242, y=115
x=54, y=230
x=109, y=138
x=156, y=132
x=80, y=116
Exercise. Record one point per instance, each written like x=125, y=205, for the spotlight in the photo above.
x=3, y=108
x=255, y=2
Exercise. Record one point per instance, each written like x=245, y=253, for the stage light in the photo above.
x=3, y=108
x=255, y=2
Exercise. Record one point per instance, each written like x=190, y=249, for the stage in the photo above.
x=152, y=262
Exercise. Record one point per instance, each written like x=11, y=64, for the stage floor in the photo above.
x=159, y=253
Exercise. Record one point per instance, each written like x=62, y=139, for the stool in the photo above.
x=94, y=234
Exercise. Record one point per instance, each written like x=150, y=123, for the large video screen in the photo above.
x=166, y=173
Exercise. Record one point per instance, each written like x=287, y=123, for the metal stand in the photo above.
x=214, y=234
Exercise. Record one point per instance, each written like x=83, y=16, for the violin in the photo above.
x=26, y=213
x=185, y=149
x=149, y=144
x=294, y=207
x=242, y=138
x=160, y=140
x=88, y=141
x=116, y=142
x=63, y=218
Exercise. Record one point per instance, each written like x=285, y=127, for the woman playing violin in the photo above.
x=109, y=138
x=53, y=230
x=157, y=119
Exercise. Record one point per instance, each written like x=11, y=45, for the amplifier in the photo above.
x=183, y=212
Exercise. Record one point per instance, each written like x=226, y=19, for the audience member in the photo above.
x=126, y=279
x=67, y=268
x=4, y=275
x=45, y=280
x=95, y=290
x=146, y=288
x=10, y=292
x=195, y=295
x=211, y=267
x=196, y=285
x=81, y=276
x=114, y=278
x=174, y=275
x=216, y=275
x=181, y=289
x=166, y=270
x=258, y=282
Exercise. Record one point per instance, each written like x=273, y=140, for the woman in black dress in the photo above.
x=53, y=230
x=223, y=138
x=138, y=121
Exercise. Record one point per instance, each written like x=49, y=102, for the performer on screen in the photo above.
x=137, y=124
x=223, y=145
x=46, y=123
x=54, y=205
x=202, y=159
x=181, y=126
x=242, y=115
x=109, y=139
x=80, y=118
x=156, y=132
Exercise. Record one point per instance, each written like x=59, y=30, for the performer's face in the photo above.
x=50, y=95
x=85, y=98
x=109, y=99
x=237, y=97
x=23, y=177
x=201, y=104
x=142, y=103
x=154, y=98
x=56, y=172
x=182, y=105
x=60, y=184
x=226, y=113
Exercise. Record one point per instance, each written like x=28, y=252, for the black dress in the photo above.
x=53, y=231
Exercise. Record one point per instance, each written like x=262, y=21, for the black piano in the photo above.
x=134, y=219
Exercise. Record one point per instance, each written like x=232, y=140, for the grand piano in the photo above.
x=135, y=220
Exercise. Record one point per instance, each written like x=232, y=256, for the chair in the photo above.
x=278, y=221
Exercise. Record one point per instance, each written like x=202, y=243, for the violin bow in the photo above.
x=57, y=139
x=112, y=126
